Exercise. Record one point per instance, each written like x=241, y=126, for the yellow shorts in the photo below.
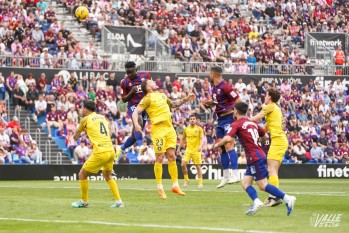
x=97, y=161
x=278, y=148
x=196, y=157
x=163, y=137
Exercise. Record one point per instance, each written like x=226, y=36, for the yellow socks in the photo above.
x=274, y=180
x=84, y=190
x=173, y=171
x=158, y=172
x=199, y=180
x=114, y=189
x=186, y=177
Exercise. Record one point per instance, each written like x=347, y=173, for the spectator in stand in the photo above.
x=18, y=97
x=14, y=123
x=299, y=152
x=81, y=153
x=317, y=153
x=52, y=119
x=34, y=153
x=124, y=159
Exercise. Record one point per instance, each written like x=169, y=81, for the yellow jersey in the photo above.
x=157, y=106
x=273, y=118
x=97, y=129
x=193, y=136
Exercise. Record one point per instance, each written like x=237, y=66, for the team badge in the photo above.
x=218, y=91
x=130, y=84
x=196, y=131
x=163, y=97
x=159, y=148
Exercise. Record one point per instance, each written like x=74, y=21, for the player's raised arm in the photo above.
x=135, y=115
x=127, y=96
x=258, y=117
x=82, y=127
x=183, y=140
x=176, y=104
x=222, y=142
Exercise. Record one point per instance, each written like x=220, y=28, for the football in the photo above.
x=81, y=13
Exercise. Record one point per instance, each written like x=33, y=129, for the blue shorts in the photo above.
x=143, y=114
x=259, y=170
x=223, y=125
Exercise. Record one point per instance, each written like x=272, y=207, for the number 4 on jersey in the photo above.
x=102, y=129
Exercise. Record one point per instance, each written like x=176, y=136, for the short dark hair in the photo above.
x=217, y=69
x=242, y=108
x=192, y=115
x=90, y=105
x=130, y=64
x=144, y=86
x=274, y=94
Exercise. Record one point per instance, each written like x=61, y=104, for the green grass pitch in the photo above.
x=44, y=206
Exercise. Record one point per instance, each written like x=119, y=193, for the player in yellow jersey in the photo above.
x=162, y=133
x=193, y=135
x=97, y=129
x=279, y=144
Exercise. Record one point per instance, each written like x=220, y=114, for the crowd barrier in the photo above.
x=140, y=171
x=278, y=79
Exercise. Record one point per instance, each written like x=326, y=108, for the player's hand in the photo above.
x=199, y=149
x=215, y=146
x=138, y=128
x=134, y=89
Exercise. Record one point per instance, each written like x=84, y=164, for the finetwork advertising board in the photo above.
x=132, y=172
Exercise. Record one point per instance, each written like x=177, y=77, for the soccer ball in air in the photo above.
x=81, y=13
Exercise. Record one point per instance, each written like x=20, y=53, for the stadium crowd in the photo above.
x=315, y=116
x=217, y=31
x=31, y=36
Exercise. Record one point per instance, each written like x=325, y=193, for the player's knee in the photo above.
x=159, y=158
x=261, y=187
x=184, y=164
x=244, y=185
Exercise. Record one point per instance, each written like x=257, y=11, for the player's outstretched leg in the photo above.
x=114, y=189
x=252, y=193
x=83, y=190
x=271, y=189
x=185, y=174
x=158, y=176
x=273, y=168
x=233, y=157
x=198, y=168
x=173, y=171
x=225, y=165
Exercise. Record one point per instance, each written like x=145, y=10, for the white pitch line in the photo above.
x=136, y=225
x=336, y=194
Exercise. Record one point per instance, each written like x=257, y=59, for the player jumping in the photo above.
x=224, y=97
x=162, y=133
x=249, y=134
x=193, y=135
x=133, y=94
x=279, y=143
x=97, y=129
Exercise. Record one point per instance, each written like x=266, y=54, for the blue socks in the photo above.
x=233, y=159
x=225, y=160
x=273, y=190
x=129, y=142
x=139, y=138
x=252, y=193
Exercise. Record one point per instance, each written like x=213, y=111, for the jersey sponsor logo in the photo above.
x=227, y=128
x=214, y=96
x=233, y=94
